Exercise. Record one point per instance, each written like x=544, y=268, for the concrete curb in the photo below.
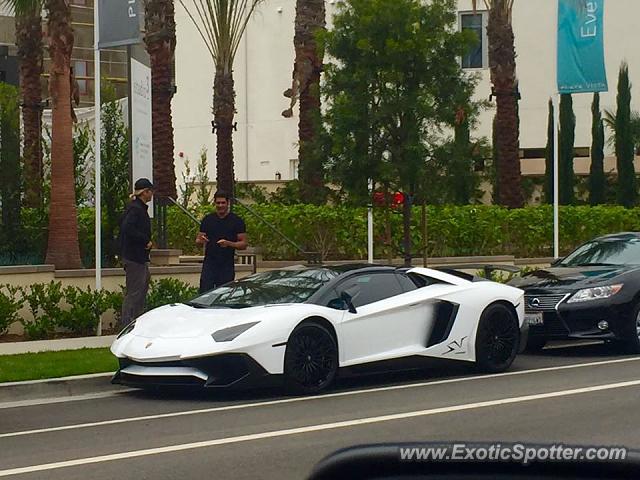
x=57, y=387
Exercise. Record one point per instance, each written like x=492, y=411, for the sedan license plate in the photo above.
x=534, y=318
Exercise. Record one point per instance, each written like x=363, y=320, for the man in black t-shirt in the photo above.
x=222, y=233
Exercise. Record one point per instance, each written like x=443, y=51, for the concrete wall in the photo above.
x=113, y=278
x=265, y=142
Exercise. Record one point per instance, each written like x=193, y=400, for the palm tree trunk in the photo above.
x=29, y=42
x=310, y=19
x=160, y=41
x=63, y=249
x=502, y=62
x=223, y=113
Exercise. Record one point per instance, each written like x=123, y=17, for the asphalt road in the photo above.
x=575, y=395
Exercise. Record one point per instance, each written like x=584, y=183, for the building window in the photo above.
x=80, y=71
x=477, y=23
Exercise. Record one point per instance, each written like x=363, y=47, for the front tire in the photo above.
x=630, y=343
x=497, y=339
x=311, y=359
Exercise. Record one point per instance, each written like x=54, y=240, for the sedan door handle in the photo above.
x=415, y=304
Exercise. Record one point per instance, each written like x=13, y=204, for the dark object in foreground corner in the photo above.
x=384, y=462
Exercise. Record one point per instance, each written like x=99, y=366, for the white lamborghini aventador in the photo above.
x=303, y=326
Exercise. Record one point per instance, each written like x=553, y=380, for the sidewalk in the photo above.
x=13, y=348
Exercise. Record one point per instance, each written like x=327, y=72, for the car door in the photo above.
x=385, y=325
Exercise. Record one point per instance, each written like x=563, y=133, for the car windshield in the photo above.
x=614, y=251
x=275, y=287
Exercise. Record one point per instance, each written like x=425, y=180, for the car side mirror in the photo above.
x=347, y=299
x=337, y=304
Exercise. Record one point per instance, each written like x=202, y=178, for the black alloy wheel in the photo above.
x=497, y=339
x=311, y=359
x=630, y=333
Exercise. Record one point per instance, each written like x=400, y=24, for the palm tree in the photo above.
x=502, y=64
x=28, y=21
x=63, y=249
x=221, y=24
x=310, y=20
x=160, y=40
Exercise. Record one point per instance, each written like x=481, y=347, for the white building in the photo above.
x=265, y=143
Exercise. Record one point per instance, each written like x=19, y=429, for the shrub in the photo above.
x=85, y=309
x=11, y=301
x=113, y=301
x=169, y=290
x=44, y=301
x=80, y=315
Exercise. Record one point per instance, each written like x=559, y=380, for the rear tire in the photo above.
x=497, y=339
x=311, y=359
x=535, y=345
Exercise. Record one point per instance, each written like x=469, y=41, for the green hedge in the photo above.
x=339, y=232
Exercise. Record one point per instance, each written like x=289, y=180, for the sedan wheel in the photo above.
x=630, y=341
x=497, y=339
x=311, y=359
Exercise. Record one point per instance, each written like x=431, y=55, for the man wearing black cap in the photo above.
x=135, y=244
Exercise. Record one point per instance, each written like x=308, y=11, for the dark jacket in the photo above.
x=135, y=232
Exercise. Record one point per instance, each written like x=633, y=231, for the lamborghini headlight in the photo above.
x=595, y=293
x=228, y=334
x=128, y=329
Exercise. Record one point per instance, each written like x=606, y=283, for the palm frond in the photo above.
x=23, y=7
x=221, y=25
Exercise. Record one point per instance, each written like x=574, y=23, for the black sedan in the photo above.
x=592, y=293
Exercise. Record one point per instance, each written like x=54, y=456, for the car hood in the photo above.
x=567, y=279
x=183, y=321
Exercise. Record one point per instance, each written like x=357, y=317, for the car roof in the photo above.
x=343, y=268
x=618, y=236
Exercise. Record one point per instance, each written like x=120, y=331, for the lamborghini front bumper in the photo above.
x=228, y=370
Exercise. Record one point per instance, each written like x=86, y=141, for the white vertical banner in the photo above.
x=141, y=131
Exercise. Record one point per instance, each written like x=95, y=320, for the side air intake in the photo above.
x=445, y=315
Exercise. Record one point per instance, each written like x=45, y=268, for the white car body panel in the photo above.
x=392, y=328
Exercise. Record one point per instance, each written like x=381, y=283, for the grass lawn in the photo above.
x=35, y=366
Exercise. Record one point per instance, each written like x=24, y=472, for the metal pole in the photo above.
x=424, y=234
x=370, y=224
x=97, y=164
x=556, y=150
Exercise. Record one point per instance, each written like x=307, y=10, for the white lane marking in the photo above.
x=304, y=399
x=70, y=398
x=312, y=428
